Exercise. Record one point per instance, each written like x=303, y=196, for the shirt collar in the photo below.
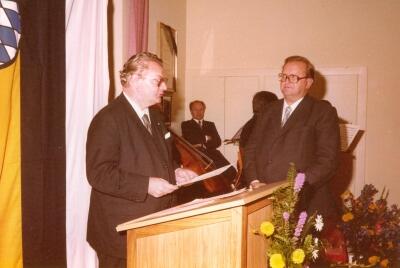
x=140, y=112
x=293, y=106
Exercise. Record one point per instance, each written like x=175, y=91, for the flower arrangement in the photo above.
x=371, y=228
x=290, y=232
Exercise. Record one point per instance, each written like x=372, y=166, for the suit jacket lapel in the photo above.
x=155, y=139
x=196, y=125
x=197, y=131
x=275, y=123
x=158, y=133
x=133, y=116
x=298, y=116
x=272, y=129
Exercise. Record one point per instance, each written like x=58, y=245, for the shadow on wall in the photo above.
x=341, y=181
x=318, y=89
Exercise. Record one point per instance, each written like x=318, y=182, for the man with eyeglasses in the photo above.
x=296, y=129
x=129, y=160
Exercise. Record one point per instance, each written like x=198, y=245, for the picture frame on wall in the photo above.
x=169, y=54
x=167, y=108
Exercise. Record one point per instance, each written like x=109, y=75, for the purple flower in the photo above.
x=286, y=216
x=300, y=224
x=299, y=181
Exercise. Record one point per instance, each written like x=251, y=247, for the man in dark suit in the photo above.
x=204, y=136
x=129, y=160
x=306, y=134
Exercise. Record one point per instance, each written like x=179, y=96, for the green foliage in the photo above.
x=292, y=229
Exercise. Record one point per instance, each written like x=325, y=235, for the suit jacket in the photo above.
x=121, y=155
x=192, y=132
x=309, y=139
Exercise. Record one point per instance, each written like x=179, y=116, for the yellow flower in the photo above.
x=372, y=207
x=298, y=256
x=373, y=260
x=267, y=228
x=347, y=217
x=384, y=263
x=276, y=261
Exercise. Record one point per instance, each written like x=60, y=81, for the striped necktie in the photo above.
x=146, y=122
x=288, y=110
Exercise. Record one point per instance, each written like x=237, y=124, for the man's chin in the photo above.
x=155, y=102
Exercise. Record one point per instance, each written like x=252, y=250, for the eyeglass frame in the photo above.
x=154, y=81
x=284, y=77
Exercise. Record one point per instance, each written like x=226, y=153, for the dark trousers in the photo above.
x=106, y=261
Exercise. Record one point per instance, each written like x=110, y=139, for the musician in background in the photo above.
x=260, y=102
x=204, y=136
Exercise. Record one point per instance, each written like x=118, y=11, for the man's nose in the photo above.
x=163, y=86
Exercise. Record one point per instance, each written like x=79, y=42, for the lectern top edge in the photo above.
x=215, y=204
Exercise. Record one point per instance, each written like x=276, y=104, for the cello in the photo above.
x=195, y=160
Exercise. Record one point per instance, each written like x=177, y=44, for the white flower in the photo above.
x=316, y=241
x=351, y=256
x=319, y=223
x=315, y=254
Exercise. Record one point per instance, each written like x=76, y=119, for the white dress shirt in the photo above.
x=140, y=112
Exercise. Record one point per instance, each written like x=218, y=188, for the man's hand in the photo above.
x=159, y=187
x=183, y=175
x=254, y=184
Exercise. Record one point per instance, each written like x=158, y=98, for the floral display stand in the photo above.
x=214, y=232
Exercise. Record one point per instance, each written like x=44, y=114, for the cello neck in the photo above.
x=190, y=147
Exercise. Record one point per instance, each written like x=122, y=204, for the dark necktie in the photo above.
x=201, y=124
x=146, y=122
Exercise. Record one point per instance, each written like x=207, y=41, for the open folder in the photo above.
x=205, y=176
x=347, y=134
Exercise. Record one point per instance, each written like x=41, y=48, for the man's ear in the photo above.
x=310, y=81
x=135, y=81
x=133, y=78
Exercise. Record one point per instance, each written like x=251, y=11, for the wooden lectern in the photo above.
x=214, y=232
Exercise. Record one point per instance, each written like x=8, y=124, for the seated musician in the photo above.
x=260, y=102
x=204, y=136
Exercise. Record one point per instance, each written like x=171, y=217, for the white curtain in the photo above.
x=87, y=85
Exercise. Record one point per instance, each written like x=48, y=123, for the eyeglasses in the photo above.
x=157, y=82
x=291, y=77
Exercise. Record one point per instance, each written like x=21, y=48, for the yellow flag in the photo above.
x=10, y=167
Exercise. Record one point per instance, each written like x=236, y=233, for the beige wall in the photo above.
x=172, y=13
x=261, y=33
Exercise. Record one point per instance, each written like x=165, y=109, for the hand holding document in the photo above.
x=183, y=174
x=204, y=176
